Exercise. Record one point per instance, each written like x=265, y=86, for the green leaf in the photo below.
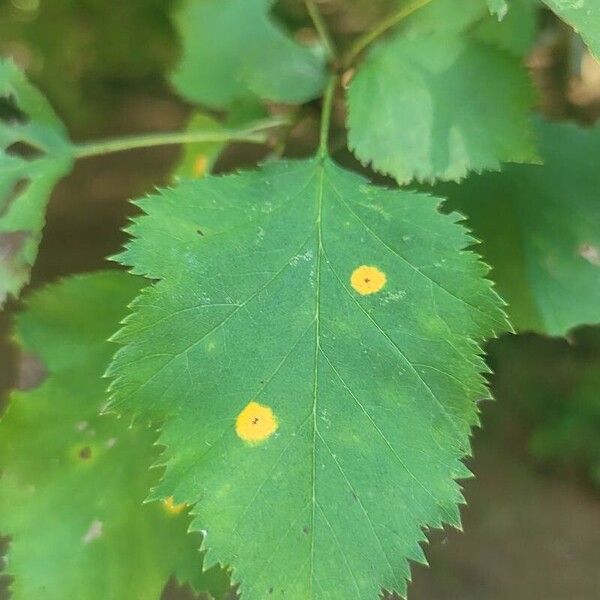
x=441, y=16
x=26, y=181
x=73, y=482
x=232, y=49
x=312, y=344
x=514, y=33
x=199, y=158
x=435, y=106
x=583, y=16
x=540, y=230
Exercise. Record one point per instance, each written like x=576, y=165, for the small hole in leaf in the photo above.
x=9, y=111
x=24, y=150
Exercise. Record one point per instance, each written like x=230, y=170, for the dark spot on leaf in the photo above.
x=200, y=232
x=355, y=496
x=255, y=420
x=85, y=453
x=31, y=371
x=270, y=590
x=305, y=530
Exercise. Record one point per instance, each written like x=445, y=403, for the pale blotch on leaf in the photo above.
x=171, y=507
x=93, y=533
x=591, y=253
x=367, y=280
x=200, y=165
x=255, y=423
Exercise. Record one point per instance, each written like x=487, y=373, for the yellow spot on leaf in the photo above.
x=255, y=423
x=367, y=280
x=171, y=507
x=200, y=165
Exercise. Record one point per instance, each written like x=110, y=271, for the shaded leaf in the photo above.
x=539, y=226
x=34, y=154
x=315, y=358
x=437, y=106
x=232, y=49
x=515, y=32
x=73, y=482
x=198, y=159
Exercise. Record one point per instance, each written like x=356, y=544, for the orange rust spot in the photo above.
x=200, y=165
x=255, y=423
x=367, y=280
x=171, y=507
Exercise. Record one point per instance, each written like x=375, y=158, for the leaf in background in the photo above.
x=441, y=16
x=232, y=49
x=437, y=106
x=73, y=482
x=583, y=16
x=540, y=230
x=198, y=159
x=312, y=343
x=558, y=407
x=514, y=33
x=26, y=179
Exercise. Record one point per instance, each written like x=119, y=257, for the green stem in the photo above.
x=253, y=132
x=326, y=115
x=321, y=28
x=368, y=38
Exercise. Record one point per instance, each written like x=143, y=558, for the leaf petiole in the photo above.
x=326, y=115
x=321, y=27
x=252, y=133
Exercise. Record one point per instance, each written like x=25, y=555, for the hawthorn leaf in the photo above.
x=441, y=16
x=35, y=153
x=430, y=107
x=73, y=482
x=199, y=158
x=312, y=347
x=583, y=16
x=539, y=226
x=232, y=49
x=514, y=33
